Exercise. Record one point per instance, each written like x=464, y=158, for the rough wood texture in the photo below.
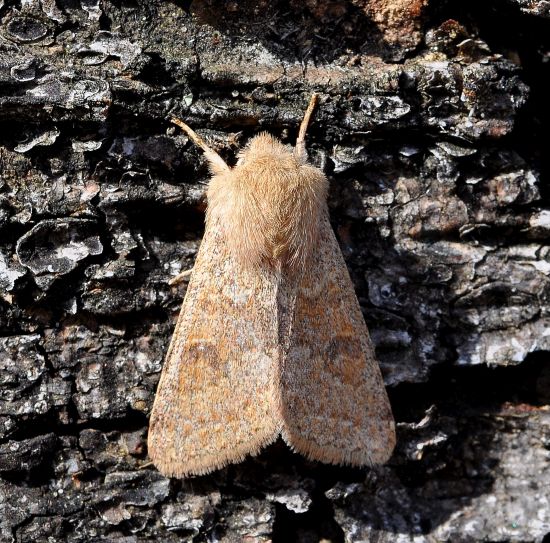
x=431, y=134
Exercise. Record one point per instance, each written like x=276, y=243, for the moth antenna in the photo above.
x=300, y=149
x=217, y=163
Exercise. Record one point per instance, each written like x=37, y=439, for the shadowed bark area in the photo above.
x=430, y=128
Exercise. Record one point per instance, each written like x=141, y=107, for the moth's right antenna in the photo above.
x=217, y=163
x=300, y=149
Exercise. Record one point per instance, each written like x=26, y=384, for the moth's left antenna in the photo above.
x=217, y=163
x=300, y=149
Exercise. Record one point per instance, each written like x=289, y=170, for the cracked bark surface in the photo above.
x=431, y=130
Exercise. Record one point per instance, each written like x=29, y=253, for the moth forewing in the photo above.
x=333, y=401
x=217, y=397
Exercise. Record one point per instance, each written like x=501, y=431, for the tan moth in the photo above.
x=270, y=340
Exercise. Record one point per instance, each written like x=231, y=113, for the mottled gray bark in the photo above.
x=430, y=129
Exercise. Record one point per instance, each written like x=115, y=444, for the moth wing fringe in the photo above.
x=212, y=463
x=330, y=455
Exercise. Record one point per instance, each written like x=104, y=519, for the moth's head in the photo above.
x=265, y=152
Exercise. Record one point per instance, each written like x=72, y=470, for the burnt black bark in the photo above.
x=431, y=129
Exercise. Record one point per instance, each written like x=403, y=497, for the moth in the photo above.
x=270, y=340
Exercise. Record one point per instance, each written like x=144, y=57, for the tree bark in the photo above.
x=430, y=129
